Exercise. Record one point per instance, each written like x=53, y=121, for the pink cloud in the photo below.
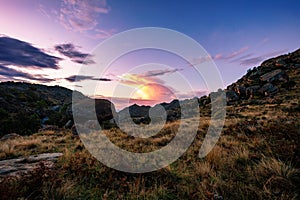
x=237, y=53
x=78, y=15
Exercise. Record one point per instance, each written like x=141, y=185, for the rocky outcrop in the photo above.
x=24, y=165
x=265, y=80
x=85, y=109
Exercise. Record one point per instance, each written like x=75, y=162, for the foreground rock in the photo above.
x=19, y=166
x=9, y=136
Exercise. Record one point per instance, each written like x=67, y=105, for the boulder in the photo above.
x=85, y=109
x=276, y=75
x=268, y=89
x=69, y=124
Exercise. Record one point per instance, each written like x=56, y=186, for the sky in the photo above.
x=50, y=42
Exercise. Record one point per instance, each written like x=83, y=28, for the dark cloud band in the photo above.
x=19, y=53
x=76, y=56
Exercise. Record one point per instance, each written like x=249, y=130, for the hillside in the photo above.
x=256, y=157
x=25, y=108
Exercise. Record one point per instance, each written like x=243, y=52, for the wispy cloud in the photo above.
x=264, y=41
x=19, y=53
x=237, y=53
x=41, y=8
x=192, y=94
x=207, y=58
x=70, y=51
x=103, y=34
x=138, y=79
x=13, y=74
x=79, y=78
x=79, y=15
x=242, y=58
x=254, y=60
x=160, y=72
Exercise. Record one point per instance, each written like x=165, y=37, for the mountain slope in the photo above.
x=25, y=107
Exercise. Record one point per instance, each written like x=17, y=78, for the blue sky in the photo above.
x=238, y=35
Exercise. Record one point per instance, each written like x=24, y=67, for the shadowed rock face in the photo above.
x=105, y=110
x=89, y=114
x=85, y=110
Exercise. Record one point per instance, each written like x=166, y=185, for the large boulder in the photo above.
x=268, y=89
x=276, y=75
x=105, y=110
x=85, y=110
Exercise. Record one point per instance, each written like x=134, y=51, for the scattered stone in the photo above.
x=55, y=108
x=69, y=124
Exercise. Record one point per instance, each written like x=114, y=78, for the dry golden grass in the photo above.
x=255, y=158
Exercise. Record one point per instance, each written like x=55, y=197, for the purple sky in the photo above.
x=48, y=42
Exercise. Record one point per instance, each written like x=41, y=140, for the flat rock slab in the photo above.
x=18, y=166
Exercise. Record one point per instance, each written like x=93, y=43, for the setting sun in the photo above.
x=141, y=93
